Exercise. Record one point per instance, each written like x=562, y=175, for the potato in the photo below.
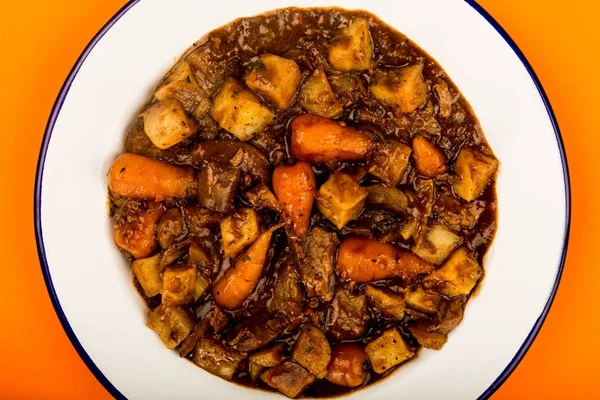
x=389, y=162
x=181, y=84
x=269, y=357
x=312, y=350
x=179, y=285
x=216, y=359
x=147, y=272
x=341, y=199
x=386, y=301
x=317, y=97
x=239, y=230
x=436, y=244
x=201, y=285
x=430, y=160
x=430, y=339
x=458, y=276
x=403, y=90
x=172, y=324
x=474, y=171
x=352, y=48
x=276, y=79
x=387, y=351
x=167, y=124
x=289, y=378
x=239, y=111
x=418, y=299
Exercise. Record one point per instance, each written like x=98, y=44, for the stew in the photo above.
x=306, y=201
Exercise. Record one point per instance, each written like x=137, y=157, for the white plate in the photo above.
x=90, y=284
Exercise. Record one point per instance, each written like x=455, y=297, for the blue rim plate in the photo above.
x=57, y=108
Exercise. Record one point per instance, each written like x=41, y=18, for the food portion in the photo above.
x=305, y=202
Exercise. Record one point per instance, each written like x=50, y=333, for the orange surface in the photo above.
x=40, y=41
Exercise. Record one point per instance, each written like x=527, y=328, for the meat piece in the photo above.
x=289, y=378
x=389, y=162
x=386, y=301
x=287, y=294
x=312, y=350
x=261, y=197
x=250, y=335
x=217, y=187
x=316, y=267
x=199, y=219
x=317, y=97
x=347, y=318
x=171, y=228
x=216, y=359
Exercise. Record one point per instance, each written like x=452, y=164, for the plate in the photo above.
x=90, y=284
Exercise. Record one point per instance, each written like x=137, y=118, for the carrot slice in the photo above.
x=364, y=260
x=295, y=187
x=318, y=140
x=239, y=281
x=145, y=178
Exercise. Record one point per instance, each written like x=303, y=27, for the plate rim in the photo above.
x=57, y=106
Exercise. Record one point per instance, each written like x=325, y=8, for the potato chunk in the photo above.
x=458, y=276
x=436, y=244
x=239, y=230
x=418, y=299
x=428, y=338
x=276, y=79
x=312, y=350
x=389, y=162
x=147, y=272
x=341, y=199
x=181, y=84
x=266, y=358
x=386, y=301
x=179, y=285
x=216, y=359
x=239, y=111
x=430, y=160
x=474, y=171
x=289, y=378
x=352, y=49
x=167, y=124
x=172, y=324
x=403, y=90
x=317, y=97
x=387, y=351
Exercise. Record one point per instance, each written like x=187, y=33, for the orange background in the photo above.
x=39, y=43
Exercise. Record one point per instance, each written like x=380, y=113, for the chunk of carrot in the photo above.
x=363, y=260
x=430, y=160
x=139, y=235
x=236, y=284
x=140, y=177
x=346, y=367
x=317, y=139
x=295, y=187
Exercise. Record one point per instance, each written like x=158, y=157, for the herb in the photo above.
x=309, y=349
x=246, y=258
x=387, y=144
x=259, y=65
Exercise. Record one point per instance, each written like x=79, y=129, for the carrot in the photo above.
x=240, y=280
x=145, y=178
x=346, y=365
x=364, y=260
x=317, y=139
x=294, y=187
x=139, y=236
x=430, y=160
